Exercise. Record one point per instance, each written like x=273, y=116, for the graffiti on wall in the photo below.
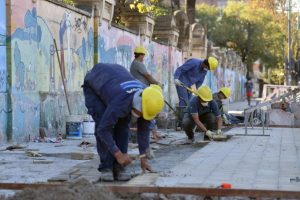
x=226, y=78
x=3, y=72
x=159, y=61
x=35, y=67
x=117, y=49
x=2, y=46
x=75, y=50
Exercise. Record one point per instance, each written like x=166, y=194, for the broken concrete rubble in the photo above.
x=78, y=190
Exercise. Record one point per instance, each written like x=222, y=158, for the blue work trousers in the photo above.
x=183, y=95
x=96, y=108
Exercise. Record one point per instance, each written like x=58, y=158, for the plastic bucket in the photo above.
x=88, y=128
x=74, y=127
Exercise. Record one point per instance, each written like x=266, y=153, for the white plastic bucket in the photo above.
x=74, y=127
x=88, y=127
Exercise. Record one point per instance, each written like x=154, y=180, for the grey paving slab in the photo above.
x=248, y=162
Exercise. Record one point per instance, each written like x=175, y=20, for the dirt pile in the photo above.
x=79, y=190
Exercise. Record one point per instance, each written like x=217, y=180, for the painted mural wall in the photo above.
x=161, y=60
x=37, y=87
x=3, y=72
x=37, y=92
x=224, y=77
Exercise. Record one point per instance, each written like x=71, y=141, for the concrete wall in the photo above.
x=161, y=60
x=3, y=71
x=33, y=96
x=37, y=89
x=223, y=77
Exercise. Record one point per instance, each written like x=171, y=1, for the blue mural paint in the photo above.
x=3, y=70
x=2, y=18
x=3, y=80
x=31, y=31
x=121, y=54
x=20, y=68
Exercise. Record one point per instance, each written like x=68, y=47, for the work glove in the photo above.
x=145, y=165
x=178, y=82
x=225, y=119
x=219, y=132
x=209, y=134
x=123, y=159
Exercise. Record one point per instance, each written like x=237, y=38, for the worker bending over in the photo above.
x=193, y=71
x=203, y=113
x=112, y=95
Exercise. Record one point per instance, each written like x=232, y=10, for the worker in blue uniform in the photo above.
x=193, y=71
x=204, y=114
x=112, y=96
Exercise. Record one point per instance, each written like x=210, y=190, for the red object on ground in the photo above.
x=226, y=185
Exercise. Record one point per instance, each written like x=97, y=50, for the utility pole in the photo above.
x=288, y=66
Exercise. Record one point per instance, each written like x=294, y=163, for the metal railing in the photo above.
x=260, y=114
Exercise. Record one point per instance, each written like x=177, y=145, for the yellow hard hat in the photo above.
x=204, y=93
x=213, y=63
x=225, y=91
x=152, y=101
x=140, y=49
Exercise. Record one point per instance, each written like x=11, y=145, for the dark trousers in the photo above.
x=96, y=108
x=208, y=119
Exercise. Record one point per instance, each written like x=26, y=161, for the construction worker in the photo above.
x=112, y=95
x=203, y=113
x=221, y=99
x=138, y=68
x=193, y=71
x=138, y=71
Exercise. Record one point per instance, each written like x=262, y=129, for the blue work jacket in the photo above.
x=190, y=73
x=115, y=86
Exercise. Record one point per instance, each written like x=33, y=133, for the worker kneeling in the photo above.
x=112, y=96
x=203, y=113
x=222, y=98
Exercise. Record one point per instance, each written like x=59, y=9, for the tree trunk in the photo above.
x=190, y=6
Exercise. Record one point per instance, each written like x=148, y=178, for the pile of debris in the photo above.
x=79, y=190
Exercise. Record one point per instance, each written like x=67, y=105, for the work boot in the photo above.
x=189, y=141
x=106, y=175
x=120, y=174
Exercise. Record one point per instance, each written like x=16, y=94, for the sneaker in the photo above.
x=120, y=174
x=106, y=175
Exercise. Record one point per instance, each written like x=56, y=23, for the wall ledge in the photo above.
x=82, y=12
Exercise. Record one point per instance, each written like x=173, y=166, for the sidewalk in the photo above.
x=247, y=162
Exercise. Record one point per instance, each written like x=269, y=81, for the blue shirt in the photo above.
x=114, y=85
x=191, y=73
x=195, y=107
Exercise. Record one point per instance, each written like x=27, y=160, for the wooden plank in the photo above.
x=170, y=190
x=205, y=191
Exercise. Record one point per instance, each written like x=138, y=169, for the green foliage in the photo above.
x=207, y=16
x=155, y=9
x=251, y=31
x=276, y=76
x=69, y=2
